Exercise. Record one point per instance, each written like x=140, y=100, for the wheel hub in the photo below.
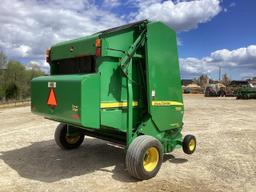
x=72, y=139
x=151, y=159
x=192, y=144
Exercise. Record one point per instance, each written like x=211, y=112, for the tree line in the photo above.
x=204, y=80
x=15, y=78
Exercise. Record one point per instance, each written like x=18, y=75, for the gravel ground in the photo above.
x=225, y=159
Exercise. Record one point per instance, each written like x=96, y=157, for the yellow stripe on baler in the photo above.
x=105, y=105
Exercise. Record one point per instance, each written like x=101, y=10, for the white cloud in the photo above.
x=193, y=65
x=29, y=27
x=22, y=50
x=245, y=56
x=41, y=63
x=111, y=3
x=144, y=4
x=238, y=58
x=182, y=15
x=179, y=42
x=247, y=75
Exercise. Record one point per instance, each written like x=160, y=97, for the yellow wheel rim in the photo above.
x=151, y=159
x=72, y=139
x=192, y=144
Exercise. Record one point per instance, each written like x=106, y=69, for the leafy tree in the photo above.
x=15, y=78
x=195, y=80
x=35, y=71
x=203, y=81
x=3, y=60
x=225, y=79
x=11, y=91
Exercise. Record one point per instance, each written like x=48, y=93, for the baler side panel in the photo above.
x=114, y=83
x=165, y=102
x=74, y=48
x=90, y=116
x=115, y=44
x=77, y=99
x=67, y=93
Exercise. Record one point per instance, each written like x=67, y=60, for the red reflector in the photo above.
x=98, y=43
x=98, y=51
x=52, y=99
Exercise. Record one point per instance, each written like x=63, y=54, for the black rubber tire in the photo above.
x=60, y=138
x=136, y=153
x=221, y=93
x=185, y=144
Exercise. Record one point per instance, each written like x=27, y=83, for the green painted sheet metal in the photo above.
x=163, y=77
x=91, y=101
x=114, y=83
x=74, y=48
x=115, y=44
x=77, y=98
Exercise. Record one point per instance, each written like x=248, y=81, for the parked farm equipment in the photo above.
x=122, y=85
x=246, y=92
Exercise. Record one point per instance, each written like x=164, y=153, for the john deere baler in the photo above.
x=122, y=85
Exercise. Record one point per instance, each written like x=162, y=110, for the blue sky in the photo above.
x=211, y=33
x=230, y=29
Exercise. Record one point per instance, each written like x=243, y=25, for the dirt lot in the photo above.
x=225, y=159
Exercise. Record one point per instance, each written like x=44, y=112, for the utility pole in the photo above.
x=219, y=73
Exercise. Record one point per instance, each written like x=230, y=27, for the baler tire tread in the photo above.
x=185, y=144
x=60, y=140
x=135, y=155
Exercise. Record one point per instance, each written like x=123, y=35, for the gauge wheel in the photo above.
x=189, y=144
x=144, y=157
x=64, y=141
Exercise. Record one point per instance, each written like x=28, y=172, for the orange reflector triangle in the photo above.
x=52, y=99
